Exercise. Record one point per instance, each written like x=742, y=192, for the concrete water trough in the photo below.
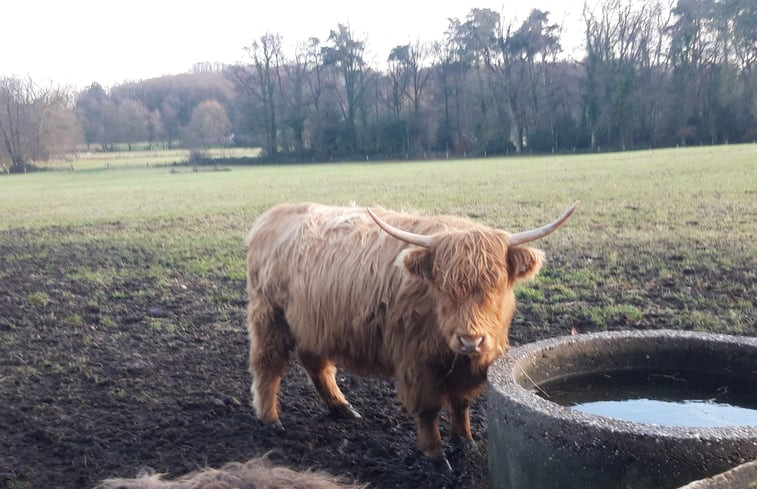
x=536, y=443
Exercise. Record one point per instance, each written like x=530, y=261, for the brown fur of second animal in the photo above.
x=332, y=284
x=255, y=474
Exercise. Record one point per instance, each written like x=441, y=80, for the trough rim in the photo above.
x=504, y=372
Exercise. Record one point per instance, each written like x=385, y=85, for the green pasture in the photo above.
x=637, y=192
x=663, y=238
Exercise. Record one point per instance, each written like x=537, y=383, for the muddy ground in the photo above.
x=103, y=376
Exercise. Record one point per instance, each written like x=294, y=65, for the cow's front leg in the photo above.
x=459, y=425
x=423, y=397
x=429, y=438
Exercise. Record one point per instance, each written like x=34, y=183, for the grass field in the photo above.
x=121, y=329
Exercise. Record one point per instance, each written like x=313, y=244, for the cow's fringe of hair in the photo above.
x=257, y=473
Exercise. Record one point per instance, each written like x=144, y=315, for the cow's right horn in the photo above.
x=534, y=234
x=407, y=237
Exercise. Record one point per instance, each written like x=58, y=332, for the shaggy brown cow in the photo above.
x=257, y=473
x=426, y=300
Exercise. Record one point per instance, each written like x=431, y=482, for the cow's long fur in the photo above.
x=257, y=473
x=330, y=282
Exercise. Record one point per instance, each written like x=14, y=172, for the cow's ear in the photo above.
x=524, y=263
x=419, y=262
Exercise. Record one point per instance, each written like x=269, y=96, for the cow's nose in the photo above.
x=470, y=343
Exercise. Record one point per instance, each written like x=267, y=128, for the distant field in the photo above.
x=122, y=325
x=140, y=157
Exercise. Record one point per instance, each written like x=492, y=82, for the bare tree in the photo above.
x=419, y=74
x=522, y=58
x=314, y=79
x=398, y=78
x=93, y=107
x=169, y=116
x=209, y=124
x=60, y=131
x=155, y=130
x=452, y=62
x=295, y=110
x=27, y=121
x=408, y=77
x=345, y=53
x=619, y=38
x=260, y=81
x=133, y=119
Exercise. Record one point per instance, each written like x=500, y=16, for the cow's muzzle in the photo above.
x=470, y=343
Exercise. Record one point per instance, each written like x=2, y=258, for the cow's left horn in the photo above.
x=534, y=234
x=408, y=237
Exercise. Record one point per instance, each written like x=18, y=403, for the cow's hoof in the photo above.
x=344, y=411
x=461, y=440
x=443, y=464
x=275, y=426
x=464, y=444
x=439, y=459
x=466, y=448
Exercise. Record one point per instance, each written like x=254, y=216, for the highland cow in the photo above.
x=425, y=300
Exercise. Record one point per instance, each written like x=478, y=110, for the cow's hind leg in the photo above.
x=323, y=374
x=270, y=344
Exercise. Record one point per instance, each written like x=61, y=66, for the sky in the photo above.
x=77, y=42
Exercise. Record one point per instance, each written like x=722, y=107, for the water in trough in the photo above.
x=667, y=398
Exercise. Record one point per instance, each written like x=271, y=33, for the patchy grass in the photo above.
x=37, y=299
x=527, y=293
x=665, y=222
x=601, y=316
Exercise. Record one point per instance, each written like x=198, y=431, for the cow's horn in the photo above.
x=408, y=237
x=534, y=234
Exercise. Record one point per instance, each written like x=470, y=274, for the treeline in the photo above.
x=650, y=76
